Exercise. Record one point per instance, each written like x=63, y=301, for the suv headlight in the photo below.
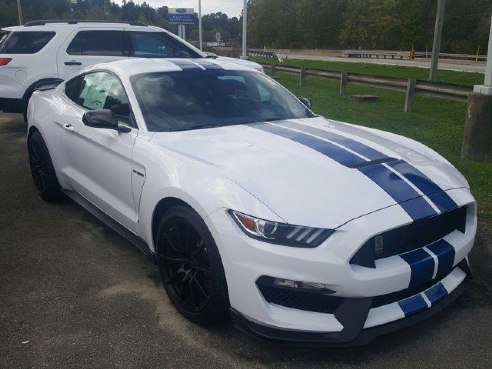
x=280, y=233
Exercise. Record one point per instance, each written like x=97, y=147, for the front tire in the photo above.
x=42, y=170
x=190, y=266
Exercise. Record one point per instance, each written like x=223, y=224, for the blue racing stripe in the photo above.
x=418, y=208
x=421, y=265
x=413, y=305
x=409, y=199
x=440, y=198
x=185, y=64
x=334, y=152
x=436, y=293
x=209, y=65
x=400, y=191
x=356, y=146
x=445, y=255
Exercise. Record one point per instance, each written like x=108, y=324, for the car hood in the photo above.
x=242, y=62
x=300, y=184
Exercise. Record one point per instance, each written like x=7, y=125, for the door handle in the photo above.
x=68, y=127
x=73, y=62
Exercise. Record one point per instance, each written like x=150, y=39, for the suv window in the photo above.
x=100, y=90
x=159, y=45
x=3, y=36
x=25, y=42
x=100, y=43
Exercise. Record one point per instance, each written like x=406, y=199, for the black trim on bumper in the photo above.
x=11, y=105
x=364, y=337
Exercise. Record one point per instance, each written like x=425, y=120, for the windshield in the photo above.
x=176, y=101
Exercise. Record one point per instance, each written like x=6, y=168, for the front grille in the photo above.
x=410, y=237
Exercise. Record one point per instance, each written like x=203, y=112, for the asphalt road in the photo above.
x=73, y=294
x=444, y=64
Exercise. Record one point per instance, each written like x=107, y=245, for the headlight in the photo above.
x=280, y=233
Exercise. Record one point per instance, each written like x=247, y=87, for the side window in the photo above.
x=102, y=90
x=72, y=88
x=25, y=42
x=98, y=43
x=159, y=45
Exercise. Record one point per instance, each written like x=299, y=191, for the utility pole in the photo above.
x=200, y=34
x=488, y=68
x=436, y=47
x=245, y=28
x=477, y=140
x=19, y=12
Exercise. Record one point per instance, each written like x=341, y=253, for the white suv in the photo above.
x=50, y=51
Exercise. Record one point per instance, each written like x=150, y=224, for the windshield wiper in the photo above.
x=200, y=126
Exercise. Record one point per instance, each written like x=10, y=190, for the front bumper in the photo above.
x=364, y=307
x=362, y=337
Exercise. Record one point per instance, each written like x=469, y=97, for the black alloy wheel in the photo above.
x=190, y=266
x=42, y=171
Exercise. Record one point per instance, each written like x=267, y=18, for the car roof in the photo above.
x=126, y=68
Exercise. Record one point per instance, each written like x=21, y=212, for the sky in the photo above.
x=232, y=8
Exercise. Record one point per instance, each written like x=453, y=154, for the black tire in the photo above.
x=42, y=171
x=191, y=267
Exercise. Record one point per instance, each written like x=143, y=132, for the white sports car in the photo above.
x=304, y=229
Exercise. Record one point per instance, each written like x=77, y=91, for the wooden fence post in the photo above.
x=343, y=83
x=410, y=95
x=302, y=75
x=274, y=69
x=478, y=128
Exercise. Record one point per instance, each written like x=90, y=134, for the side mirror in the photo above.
x=306, y=102
x=211, y=55
x=103, y=118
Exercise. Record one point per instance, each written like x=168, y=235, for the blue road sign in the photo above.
x=181, y=18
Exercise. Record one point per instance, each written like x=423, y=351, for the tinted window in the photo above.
x=104, y=91
x=102, y=43
x=159, y=45
x=72, y=88
x=174, y=101
x=3, y=36
x=25, y=42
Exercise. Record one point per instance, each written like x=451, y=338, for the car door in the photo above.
x=86, y=47
x=100, y=159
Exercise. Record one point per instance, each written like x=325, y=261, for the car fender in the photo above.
x=201, y=185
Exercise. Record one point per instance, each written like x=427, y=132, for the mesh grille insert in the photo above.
x=410, y=237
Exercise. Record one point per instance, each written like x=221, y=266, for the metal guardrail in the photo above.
x=412, y=87
x=387, y=54
x=263, y=53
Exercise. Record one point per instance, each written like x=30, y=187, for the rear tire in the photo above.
x=191, y=267
x=42, y=170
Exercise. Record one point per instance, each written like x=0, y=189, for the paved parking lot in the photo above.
x=73, y=294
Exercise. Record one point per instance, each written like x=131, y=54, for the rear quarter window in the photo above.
x=3, y=36
x=25, y=42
